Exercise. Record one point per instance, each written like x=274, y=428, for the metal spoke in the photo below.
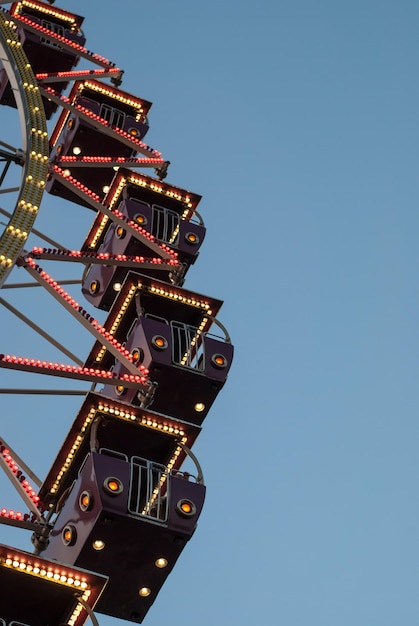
x=2, y=143
x=10, y=190
x=34, y=230
x=41, y=332
x=44, y=392
x=23, y=465
x=25, y=285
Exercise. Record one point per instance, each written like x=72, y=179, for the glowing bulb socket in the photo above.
x=219, y=361
x=159, y=342
x=192, y=238
x=141, y=219
x=69, y=535
x=186, y=508
x=113, y=486
x=144, y=592
x=94, y=286
x=85, y=501
x=137, y=355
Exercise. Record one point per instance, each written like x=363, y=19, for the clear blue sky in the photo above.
x=297, y=122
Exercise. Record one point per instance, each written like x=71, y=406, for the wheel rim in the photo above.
x=35, y=147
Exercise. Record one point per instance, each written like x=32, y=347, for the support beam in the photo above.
x=44, y=392
x=26, y=285
x=92, y=325
x=22, y=464
x=40, y=331
x=34, y=230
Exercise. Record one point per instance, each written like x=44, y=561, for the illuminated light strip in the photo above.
x=68, y=42
x=174, y=235
x=9, y=22
x=167, y=191
x=119, y=259
x=107, y=408
x=175, y=296
x=75, y=74
x=16, y=515
x=109, y=161
x=15, y=469
x=114, y=346
x=135, y=103
x=38, y=569
x=199, y=331
x=87, y=374
x=140, y=181
x=120, y=315
x=111, y=203
x=91, y=194
x=134, y=228
x=73, y=451
x=61, y=122
x=163, y=478
x=99, y=231
x=36, y=148
x=121, y=185
x=35, y=568
x=78, y=610
x=54, y=12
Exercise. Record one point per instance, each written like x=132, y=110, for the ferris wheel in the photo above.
x=117, y=507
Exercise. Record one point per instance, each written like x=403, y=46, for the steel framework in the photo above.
x=116, y=498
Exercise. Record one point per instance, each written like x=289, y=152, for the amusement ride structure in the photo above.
x=116, y=509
